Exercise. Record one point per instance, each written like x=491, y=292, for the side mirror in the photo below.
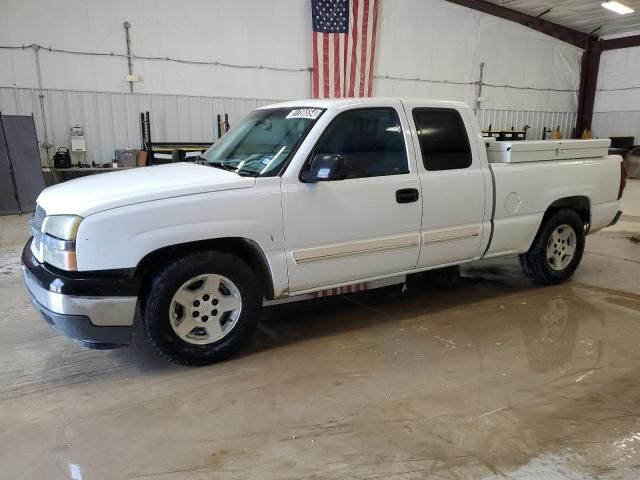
x=324, y=168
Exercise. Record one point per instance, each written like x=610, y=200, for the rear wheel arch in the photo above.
x=243, y=248
x=581, y=204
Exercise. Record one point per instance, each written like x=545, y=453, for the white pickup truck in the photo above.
x=302, y=200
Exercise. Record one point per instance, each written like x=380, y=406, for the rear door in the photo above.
x=455, y=188
x=366, y=225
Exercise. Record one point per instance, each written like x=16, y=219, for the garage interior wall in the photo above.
x=617, y=103
x=425, y=48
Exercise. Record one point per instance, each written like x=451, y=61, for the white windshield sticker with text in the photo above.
x=311, y=113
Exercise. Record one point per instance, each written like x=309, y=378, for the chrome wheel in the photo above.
x=561, y=247
x=205, y=309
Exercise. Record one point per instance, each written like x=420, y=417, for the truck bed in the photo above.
x=524, y=190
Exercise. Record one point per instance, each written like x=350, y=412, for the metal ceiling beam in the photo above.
x=588, y=83
x=569, y=35
x=624, y=42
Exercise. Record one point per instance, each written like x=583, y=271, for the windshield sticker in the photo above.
x=311, y=113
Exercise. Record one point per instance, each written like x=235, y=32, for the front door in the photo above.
x=362, y=226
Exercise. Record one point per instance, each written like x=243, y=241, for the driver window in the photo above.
x=370, y=141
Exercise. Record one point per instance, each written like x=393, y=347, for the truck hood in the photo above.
x=89, y=195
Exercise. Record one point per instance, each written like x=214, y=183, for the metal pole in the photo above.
x=127, y=26
x=45, y=145
x=10, y=165
x=478, y=102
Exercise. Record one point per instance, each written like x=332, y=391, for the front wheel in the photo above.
x=557, y=249
x=202, y=308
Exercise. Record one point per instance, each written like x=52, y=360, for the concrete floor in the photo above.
x=494, y=378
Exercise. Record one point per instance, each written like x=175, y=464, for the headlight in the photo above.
x=64, y=227
x=59, y=240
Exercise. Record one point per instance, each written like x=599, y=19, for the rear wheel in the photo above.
x=202, y=308
x=557, y=249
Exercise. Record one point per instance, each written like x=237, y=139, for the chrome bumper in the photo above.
x=103, y=311
x=98, y=322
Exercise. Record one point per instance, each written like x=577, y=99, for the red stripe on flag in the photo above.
x=363, y=51
x=354, y=46
x=344, y=92
x=315, y=91
x=325, y=64
x=374, y=31
x=336, y=65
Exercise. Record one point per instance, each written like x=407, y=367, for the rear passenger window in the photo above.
x=370, y=140
x=443, y=138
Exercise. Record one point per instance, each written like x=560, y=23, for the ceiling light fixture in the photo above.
x=617, y=7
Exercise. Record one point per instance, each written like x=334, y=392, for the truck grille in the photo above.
x=35, y=225
x=38, y=217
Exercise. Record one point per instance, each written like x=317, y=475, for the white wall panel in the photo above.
x=244, y=32
x=619, y=81
x=617, y=104
x=427, y=39
x=436, y=40
x=617, y=124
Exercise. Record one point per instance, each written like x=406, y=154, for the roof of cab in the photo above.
x=340, y=102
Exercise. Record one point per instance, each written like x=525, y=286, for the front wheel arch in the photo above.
x=243, y=248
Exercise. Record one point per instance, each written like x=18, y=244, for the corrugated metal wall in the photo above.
x=505, y=119
x=112, y=120
x=616, y=124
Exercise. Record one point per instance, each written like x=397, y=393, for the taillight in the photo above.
x=623, y=180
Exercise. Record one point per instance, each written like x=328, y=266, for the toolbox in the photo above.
x=540, y=150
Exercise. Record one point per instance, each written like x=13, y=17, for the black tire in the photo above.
x=535, y=264
x=164, y=285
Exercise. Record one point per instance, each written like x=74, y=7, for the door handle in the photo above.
x=407, y=195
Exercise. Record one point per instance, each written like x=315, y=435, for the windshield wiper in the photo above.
x=244, y=173
x=221, y=165
x=229, y=168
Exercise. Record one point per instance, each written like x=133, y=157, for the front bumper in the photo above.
x=96, y=310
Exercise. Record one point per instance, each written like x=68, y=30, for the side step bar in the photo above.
x=330, y=292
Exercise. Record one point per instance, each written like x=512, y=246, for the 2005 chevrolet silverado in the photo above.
x=305, y=199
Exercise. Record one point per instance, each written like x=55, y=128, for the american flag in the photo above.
x=344, y=45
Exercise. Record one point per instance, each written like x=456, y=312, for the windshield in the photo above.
x=262, y=143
